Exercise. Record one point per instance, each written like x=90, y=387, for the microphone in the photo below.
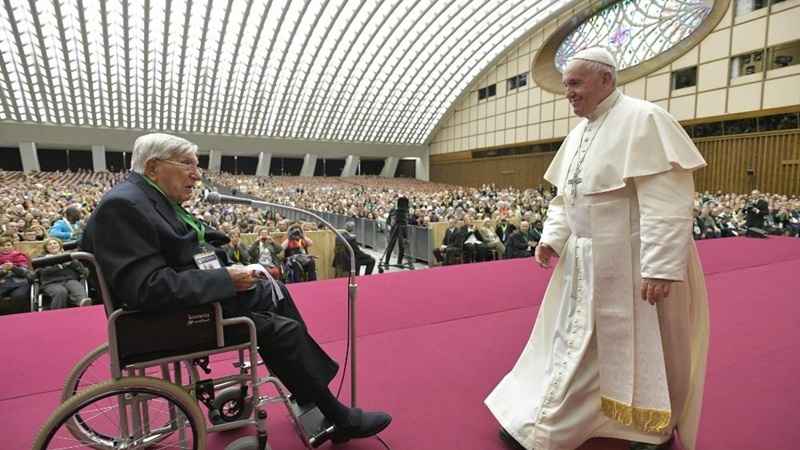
x=216, y=197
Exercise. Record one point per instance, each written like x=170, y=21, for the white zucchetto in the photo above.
x=596, y=54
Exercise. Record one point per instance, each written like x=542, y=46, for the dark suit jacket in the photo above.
x=244, y=254
x=466, y=233
x=351, y=239
x=454, y=237
x=146, y=252
x=517, y=246
x=504, y=234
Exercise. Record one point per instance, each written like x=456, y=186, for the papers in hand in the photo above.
x=260, y=272
x=257, y=270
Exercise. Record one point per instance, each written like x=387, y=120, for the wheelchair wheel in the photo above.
x=230, y=404
x=94, y=369
x=246, y=443
x=122, y=412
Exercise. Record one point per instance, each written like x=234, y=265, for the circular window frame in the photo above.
x=547, y=77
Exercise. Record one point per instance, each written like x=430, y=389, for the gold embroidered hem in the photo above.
x=643, y=419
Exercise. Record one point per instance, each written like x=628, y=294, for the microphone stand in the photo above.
x=352, y=287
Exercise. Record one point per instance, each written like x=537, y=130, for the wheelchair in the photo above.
x=154, y=394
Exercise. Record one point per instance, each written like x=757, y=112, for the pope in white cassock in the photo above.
x=619, y=347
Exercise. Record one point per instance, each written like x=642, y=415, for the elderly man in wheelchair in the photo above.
x=172, y=301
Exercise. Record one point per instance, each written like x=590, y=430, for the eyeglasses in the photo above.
x=189, y=167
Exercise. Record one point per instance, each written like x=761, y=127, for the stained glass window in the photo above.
x=635, y=30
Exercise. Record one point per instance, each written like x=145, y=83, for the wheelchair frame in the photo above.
x=310, y=426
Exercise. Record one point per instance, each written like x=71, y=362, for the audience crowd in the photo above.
x=53, y=206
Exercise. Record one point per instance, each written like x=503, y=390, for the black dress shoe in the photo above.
x=644, y=446
x=509, y=440
x=361, y=424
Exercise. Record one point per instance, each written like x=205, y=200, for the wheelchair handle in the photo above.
x=45, y=261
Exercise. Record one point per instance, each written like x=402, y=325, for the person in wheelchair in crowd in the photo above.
x=267, y=253
x=15, y=278
x=157, y=256
x=299, y=264
x=63, y=283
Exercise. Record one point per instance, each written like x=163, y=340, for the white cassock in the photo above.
x=601, y=362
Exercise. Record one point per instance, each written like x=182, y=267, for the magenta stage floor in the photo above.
x=433, y=343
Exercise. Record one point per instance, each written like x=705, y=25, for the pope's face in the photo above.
x=585, y=88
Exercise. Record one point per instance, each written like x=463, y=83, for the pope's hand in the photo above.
x=243, y=278
x=543, y=254
x=654, y=290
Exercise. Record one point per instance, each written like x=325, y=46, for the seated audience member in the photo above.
x=451, y=244
x=68, y=227
x=15, y=284
x=63, y=283
x=267, y=253
x=708, y=226
x=36, y=231
x=522, y=242
x=491, y=239
x=362, y=259
x=167, y=260
x=504, y=230
x=474, y=248
x=12, y=232
x=237, y=252
x=296, y=256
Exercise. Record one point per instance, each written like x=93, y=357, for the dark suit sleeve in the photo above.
x=134, y=264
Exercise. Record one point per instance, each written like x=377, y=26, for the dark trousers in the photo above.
x=66, y=293
x=284, y=342
x=15, y=297
x=475, y=252
x=448, y=256
x=365, y=261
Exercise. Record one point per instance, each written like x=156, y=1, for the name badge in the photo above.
x=207, y=261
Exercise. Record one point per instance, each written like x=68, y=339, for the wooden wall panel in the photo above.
x=774, y=158
x=523, y=171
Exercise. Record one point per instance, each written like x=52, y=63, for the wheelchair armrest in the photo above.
x=45, y=261
x=144, y=336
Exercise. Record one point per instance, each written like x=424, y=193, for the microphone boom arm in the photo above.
x=352, y=287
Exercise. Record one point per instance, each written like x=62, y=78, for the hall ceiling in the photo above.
x=353, y=70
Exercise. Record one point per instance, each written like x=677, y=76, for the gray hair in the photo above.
x=158, y=146
x=598, y=67
x=350, y=226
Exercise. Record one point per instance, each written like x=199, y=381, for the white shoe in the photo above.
x=85, y=302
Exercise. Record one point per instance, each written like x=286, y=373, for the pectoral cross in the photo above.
x=574, y=182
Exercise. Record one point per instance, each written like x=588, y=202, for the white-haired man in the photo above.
x=619, y=346
x=157, y=256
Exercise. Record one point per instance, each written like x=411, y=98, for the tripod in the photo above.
x=397, y=235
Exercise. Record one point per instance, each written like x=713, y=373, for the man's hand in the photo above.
x=654, y=290
x=543, y=254
x=7, y=266
x=243, y=278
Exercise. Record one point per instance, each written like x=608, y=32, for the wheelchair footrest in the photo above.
x=315, y=427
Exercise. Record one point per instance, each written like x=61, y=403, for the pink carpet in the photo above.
x=433, y=343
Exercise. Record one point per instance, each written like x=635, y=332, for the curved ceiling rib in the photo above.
x=336, y=70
